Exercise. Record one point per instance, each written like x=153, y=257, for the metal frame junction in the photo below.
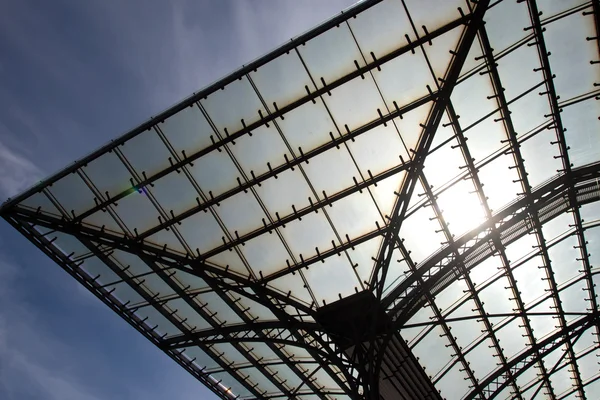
x=345, y=355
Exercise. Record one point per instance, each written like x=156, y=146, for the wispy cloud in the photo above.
x=18, y=172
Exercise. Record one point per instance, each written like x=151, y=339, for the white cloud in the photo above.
x=18, y=172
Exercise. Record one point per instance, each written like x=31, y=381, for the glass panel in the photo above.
x=331, y=55
x=512, y=339
x=504, y=23
x=227, y=108
x=282, y=80
x=265, y=254
x=396, y=87
x=522, y=111
x=480, y=357
x=485, y=270
x=582, y=134
x=378, y=150
x=588, y=366
x=335, y=277
x=307, y=126
x=572, y=53
x=467, y=331
x=573, y=300
x=542, y=325
x=557, y=226
x=485, y=138
x=215, y=304
x=454, y=384
x=41, y=201
x=443, y=164
x=451, y=295
x=73, y=194
x=531, y=279
x=229, y=260
x=154, y=318
x=147, y=153
x=498, y=180
x=461, y=207
x=537, y=153
x=187, y=313
x=418, y=230
x=215, y=172
x=201, y=232
x=241, y=213
x=471, y=101
x=432, y=351
x=496, y=298
x=380, y=29
x=438, y=53
x=137, y=212
x=108, y=174
x=409, y=125
x=561, y=380
x=174, y=192
x=293, y=284
x=187, y=130
x=303, y=236
x=563, y=257
x=340, y=170
x=255, y=310
x=254, y=152
x=279, y=194
x=354, y=104
x=102, y=218
x=362, y=258
x=384, y=194
x=354, y=215
x=434, y=13
x=97, y=269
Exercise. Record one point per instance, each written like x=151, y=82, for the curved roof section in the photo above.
x=400, y=203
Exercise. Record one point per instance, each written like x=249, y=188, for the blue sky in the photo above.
x=73, y=75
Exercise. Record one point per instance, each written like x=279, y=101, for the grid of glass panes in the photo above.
x=287, y=176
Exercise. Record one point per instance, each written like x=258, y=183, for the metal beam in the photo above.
x=497, y=381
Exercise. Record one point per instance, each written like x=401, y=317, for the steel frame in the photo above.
x=384, y=366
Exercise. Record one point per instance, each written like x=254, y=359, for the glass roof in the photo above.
x=443, y=155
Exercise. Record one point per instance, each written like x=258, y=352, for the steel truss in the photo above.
x=378, y=363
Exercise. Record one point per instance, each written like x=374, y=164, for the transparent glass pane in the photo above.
x=254, y=152
x=340, y=171
x=582, y=133
x=174, y=192
x=290, y=188
x=438, y=53
x=331, y=55
x=538, y=155
x=215, y=172
x=531, y=279
x=380, y=29
x=73, y=194
x=241, y=213
x=512, y=339
x=378, y=150
x=41, y=201
x=307, y=126
x=201, y=231
x=227, y=108
x=282, y=80
x=354, y=215
x=498, y=180
x=395, y=87
x=572, y=53
x=432, y=351
x=147, y=153
x=304, y=236
x=480, y=357
x=137, y=212
x=461, y=207
x=355, y=103
x=504, y=23
x=265, y=254
x=418, y=230
x=332, y=279
x=563, y=258
x=187, y=130
x=108, y=174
